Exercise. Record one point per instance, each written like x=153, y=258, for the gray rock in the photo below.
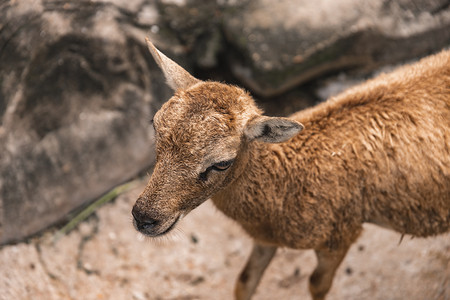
x=197, y=26
x=281, y=44
x=77, y=93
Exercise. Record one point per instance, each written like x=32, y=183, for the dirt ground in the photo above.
x=105, y=258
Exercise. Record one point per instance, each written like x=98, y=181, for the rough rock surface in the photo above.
x=285, y=43
x=104, y=258
x=77, y=92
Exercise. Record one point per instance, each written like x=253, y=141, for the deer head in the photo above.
x=202, y=138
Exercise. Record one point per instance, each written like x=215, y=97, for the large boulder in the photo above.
x=77, y=93
x=281, y=44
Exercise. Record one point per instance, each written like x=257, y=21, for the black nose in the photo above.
x=143, y=222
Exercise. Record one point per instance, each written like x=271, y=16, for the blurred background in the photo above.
x=78, y=89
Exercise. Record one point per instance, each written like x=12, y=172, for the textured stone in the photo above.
x=285, y=43
x=77, y=93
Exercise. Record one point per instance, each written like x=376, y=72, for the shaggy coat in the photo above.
x=379, y=153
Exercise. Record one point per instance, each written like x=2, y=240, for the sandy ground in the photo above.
x=104, y=258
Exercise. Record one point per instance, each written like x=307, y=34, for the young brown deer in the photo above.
x=378, y=153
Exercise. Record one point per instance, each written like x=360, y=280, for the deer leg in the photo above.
x=253, y=271
x=327, y=263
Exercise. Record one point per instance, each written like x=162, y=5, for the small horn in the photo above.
x=176, y=76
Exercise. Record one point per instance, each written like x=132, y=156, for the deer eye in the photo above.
x=220, y=166
x=223, y=165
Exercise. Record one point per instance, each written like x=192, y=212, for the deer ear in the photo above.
x=272, y=129
x=176, y=76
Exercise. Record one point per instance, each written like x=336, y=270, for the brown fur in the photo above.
x=377, y=153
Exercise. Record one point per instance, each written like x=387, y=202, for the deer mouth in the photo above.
x=153, y=227
x=172, y=226
x=153, y=232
